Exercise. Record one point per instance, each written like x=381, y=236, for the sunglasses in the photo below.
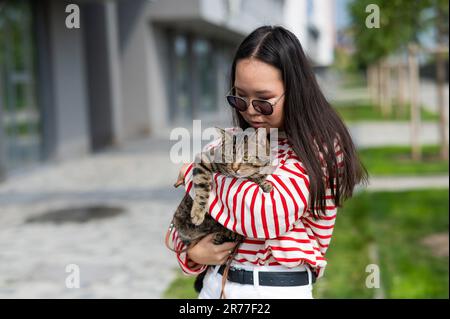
x=241, y=104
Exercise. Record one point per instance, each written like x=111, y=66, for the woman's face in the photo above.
x=258, y=80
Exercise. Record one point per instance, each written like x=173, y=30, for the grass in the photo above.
x=367, y=112
x=396, y=161
x=182, y=287
x=395, y=222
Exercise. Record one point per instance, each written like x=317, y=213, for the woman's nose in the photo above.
x=251, y=110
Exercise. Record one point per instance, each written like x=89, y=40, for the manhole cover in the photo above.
x=76, y=214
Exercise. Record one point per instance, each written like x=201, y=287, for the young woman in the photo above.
x=288, y=230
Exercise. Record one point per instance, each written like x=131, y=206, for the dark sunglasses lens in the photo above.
x=263, y=107
x=237, y=103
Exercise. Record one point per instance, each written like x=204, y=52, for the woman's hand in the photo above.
x=205, y=252
x=180, y=180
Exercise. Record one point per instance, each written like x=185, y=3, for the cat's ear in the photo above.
x=262, y=142
x=219, y=130
x=223, y=132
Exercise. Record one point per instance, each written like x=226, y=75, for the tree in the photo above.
x=401, y=24
x=441, y=27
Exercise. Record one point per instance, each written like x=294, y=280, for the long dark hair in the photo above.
x=310, y=122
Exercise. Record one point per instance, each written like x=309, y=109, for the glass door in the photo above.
x=20, y=117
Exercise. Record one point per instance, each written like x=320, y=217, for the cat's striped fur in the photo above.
x=191, y=218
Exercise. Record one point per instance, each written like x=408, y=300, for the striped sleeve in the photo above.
x=242, y=206
x=188, y=266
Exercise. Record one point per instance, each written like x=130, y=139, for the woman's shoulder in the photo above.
x=286, y=155
x=285, y=158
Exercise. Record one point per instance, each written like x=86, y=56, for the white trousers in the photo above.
x=212, y=285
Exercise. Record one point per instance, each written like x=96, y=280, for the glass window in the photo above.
x=194, y=78
x=20, y=120
x=181, y=81
x=206, y=71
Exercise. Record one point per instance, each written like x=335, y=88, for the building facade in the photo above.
x=133, y=68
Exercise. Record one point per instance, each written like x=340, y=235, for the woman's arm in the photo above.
x=241, y=206
x=195, y=259
x=188, y=266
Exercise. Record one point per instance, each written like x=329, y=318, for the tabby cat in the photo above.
x=239, y=160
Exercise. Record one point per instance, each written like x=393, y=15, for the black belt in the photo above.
x=269, y=278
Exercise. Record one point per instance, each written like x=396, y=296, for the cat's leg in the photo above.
x=265, y=185
x=202, y=184
x=182, y=219
x=219, y=238
x=226, y=235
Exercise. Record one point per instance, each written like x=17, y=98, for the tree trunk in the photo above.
x=440, y=79
x=401, y=97
x=388, y=84
x=377, y=85
x=414, y=93
x=384, y=89
x=371, y=83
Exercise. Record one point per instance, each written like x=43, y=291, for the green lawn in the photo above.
x=181, y=288
x=395, y=222
x=367, y=112
x=396, y=160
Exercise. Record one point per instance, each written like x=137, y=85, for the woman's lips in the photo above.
x=257, y=124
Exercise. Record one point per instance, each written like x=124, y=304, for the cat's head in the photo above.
x=243, y=153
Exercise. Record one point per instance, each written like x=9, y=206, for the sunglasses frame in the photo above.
x=248, y=101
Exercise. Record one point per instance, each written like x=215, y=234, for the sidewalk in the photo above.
x=373, y=134
x=119, y=257
x=400, y=183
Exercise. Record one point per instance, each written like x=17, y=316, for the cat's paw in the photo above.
x=266, y=186
x=197, y=215
x=218, y=239
x=197, y=219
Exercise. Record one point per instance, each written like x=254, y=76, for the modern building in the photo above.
x=313, y=22
x=133, y=68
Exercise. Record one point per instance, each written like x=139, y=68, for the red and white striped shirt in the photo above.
x=278, y=226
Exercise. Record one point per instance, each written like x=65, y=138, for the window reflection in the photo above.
x=20, y=120
x=182, y=100
x=194, y=77
x=206, y=70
